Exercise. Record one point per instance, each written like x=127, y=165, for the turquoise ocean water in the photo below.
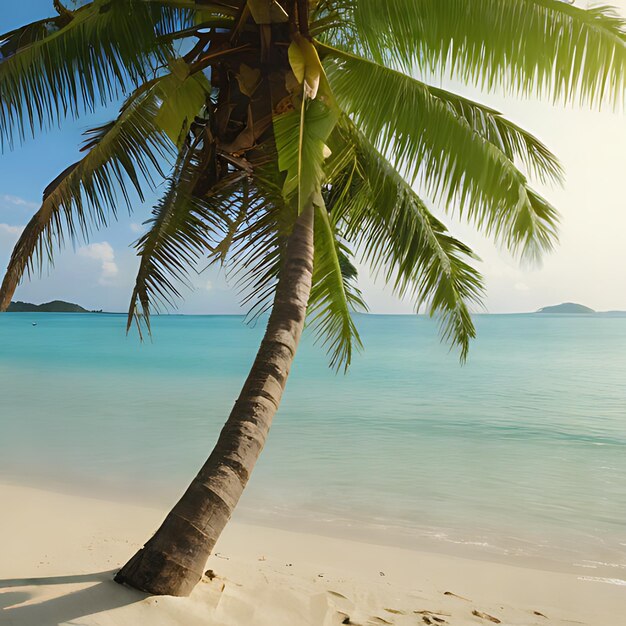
x=519, y=455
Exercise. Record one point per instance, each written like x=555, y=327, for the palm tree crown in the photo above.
x=274, y=105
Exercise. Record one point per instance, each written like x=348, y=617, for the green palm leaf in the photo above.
x=398, y=236
x=433, y=145
x=83, y=195
x=301, y=141
x=73, y=64
x=528, y=46
x=256, y=255
x=301, y=136
x=398, y=132
x=182, y=230
x=516, y=143
x=334, y=295
x=182, y=97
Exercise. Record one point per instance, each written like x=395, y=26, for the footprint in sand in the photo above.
x=429, y=617
x=437, y=616
x=439, y=613
x=486, y=616
x=333, y=605
x=454, y=595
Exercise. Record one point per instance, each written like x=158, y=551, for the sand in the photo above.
x=58, y=553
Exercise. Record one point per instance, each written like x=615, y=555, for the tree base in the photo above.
x=152, y=572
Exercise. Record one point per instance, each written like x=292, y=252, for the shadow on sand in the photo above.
x=102, y=595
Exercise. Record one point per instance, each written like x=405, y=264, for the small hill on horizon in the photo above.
x=56, y=306
x=567, y=307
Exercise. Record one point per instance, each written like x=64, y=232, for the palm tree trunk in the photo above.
x=173, y=560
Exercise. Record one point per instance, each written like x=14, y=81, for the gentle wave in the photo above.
x=608, y=581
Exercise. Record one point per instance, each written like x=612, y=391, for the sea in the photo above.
x=519, y=455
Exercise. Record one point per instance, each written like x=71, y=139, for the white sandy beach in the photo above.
x=58, y=553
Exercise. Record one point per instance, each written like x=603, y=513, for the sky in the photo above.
x=587, y=266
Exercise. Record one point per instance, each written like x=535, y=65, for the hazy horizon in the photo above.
x=242, y=313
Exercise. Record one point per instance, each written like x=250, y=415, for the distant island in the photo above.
x=56, y=306
x=567, y=307
x=573, y=308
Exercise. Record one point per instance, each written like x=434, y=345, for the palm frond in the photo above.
x=516, y=143
x=182, y=96
x=12, y=41
x=432, y=145
x=183, y=229
x=57, y=68
x=219, y=7
x=546, y=47
x=180, y=15
x=334, y=294
x=256, y=252
x=332, y=18
x=85, y=194
x=398, y=236
x=301, y=136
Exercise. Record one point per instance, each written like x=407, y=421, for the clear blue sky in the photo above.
x=589, y=265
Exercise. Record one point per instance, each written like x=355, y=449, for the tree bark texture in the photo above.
x=173, y=560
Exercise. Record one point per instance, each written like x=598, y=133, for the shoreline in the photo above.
x=435, y=540
x=59, y=552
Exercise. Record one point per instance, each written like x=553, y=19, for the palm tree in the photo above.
x=292, y=134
